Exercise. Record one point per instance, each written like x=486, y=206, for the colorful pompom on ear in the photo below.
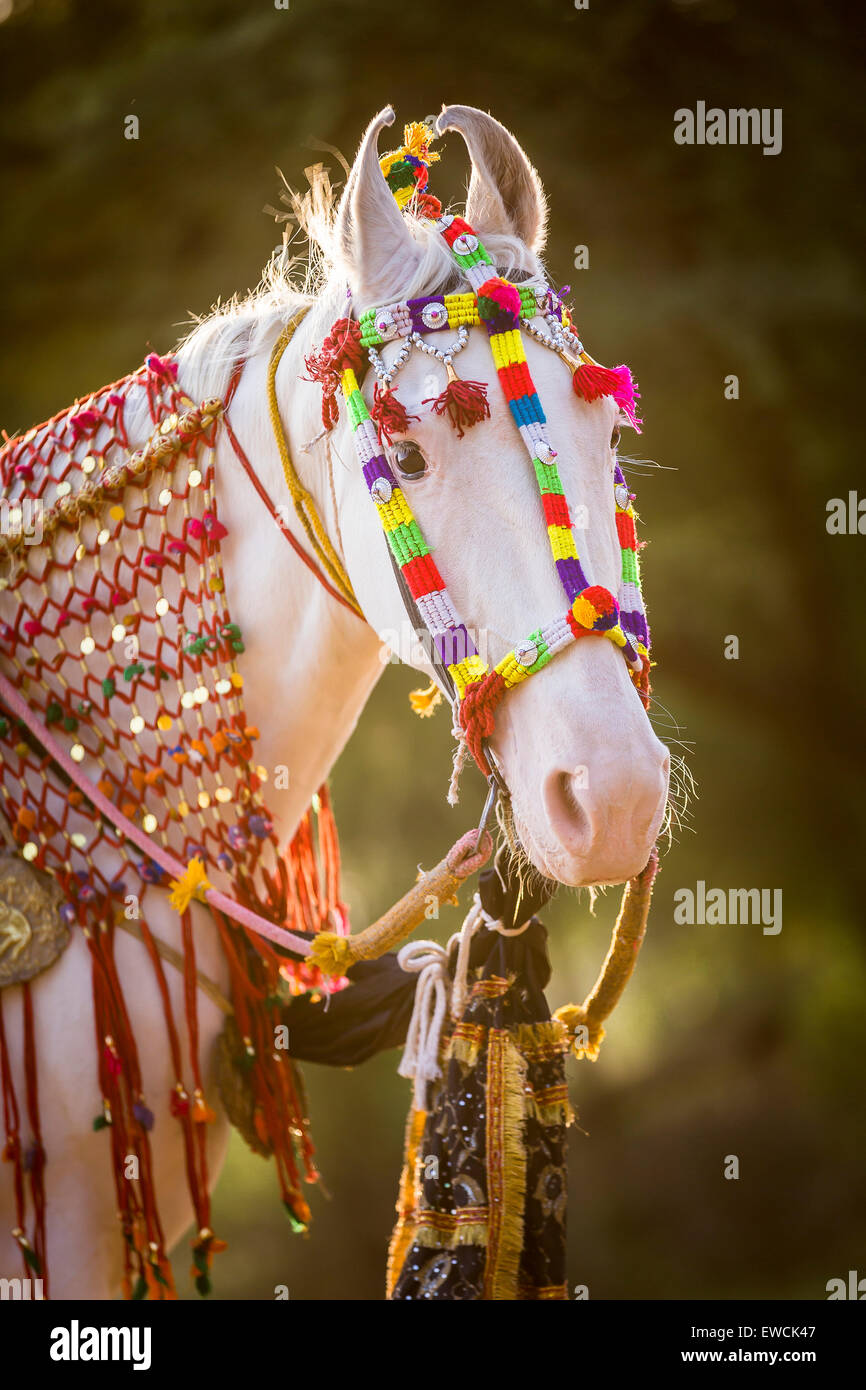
x=405, y=170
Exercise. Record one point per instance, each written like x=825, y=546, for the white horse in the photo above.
x=310, y=665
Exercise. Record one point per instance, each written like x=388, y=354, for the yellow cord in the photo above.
x=304, y=504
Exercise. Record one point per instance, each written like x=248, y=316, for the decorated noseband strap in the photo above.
x=503, y=308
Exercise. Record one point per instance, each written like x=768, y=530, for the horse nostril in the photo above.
x=569, y=795
x=567, y=812
x=609, y=812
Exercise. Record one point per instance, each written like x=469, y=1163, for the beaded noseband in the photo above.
x=503, y=308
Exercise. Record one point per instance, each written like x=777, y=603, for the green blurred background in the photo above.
x=703, y=262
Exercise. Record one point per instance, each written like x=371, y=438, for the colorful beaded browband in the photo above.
x=503, y=308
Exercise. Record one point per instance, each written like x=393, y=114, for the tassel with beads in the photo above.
x=464, y=402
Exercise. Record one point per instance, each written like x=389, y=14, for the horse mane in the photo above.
x=249, y=325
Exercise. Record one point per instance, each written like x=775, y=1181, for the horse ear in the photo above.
x=505, y=192
x=372, y=238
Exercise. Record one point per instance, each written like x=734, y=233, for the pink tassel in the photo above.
x=390, y=415
x=465, y=403
x=591, y=381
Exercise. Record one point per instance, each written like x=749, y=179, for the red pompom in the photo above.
x=428, y=205
x=390, y=414
x=464, y=402
x=605, y=605
x=341, y=350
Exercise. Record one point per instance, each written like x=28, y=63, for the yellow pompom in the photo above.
x=424, y=702
x=193, y=883
x=417, y=138
x=333, y=954
x=586, y=1037
x=583, y=611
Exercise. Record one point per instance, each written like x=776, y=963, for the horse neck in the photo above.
x=309, y=664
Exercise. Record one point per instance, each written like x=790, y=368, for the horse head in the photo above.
x=586, y=774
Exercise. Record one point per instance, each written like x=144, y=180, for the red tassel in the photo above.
x=465, y=403
x=590, y=381
x=390, y=415
x=341, y=349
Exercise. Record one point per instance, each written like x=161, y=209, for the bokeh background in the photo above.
x=702, y=262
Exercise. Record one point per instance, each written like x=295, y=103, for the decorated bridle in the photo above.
x=504, y=309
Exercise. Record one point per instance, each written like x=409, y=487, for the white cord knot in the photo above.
x=420, y=1063
x=429, y=961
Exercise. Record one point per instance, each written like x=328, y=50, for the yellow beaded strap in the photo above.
x=304, y=504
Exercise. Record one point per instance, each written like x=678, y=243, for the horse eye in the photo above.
x=615, y=438
x=409, y=460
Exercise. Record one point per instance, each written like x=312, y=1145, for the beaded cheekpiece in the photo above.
x=116, y=629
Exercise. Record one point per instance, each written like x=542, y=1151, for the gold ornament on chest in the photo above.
x=32, y=934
